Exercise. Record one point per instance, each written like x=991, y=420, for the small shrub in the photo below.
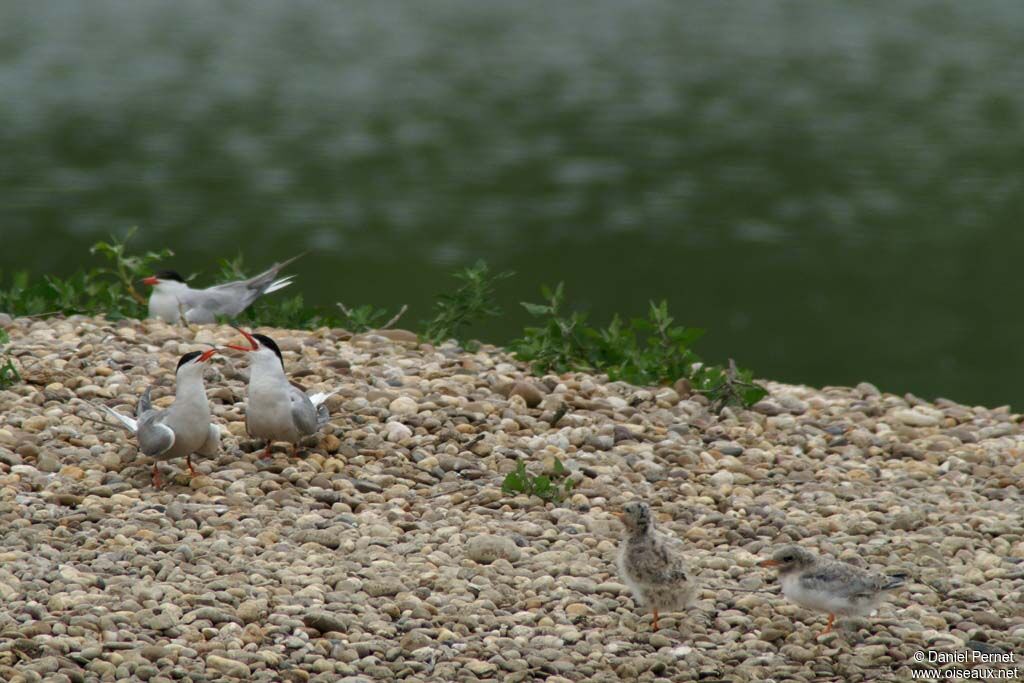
x=645, y=351
x=368, y=317
x=554, y=487
x=107, y=290
x=127, y=269
x=471, y=301
x=9, y=374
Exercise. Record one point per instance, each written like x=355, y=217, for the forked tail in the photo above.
x=130, y=423
x=318, y=399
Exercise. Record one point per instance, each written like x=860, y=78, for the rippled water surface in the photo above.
x=833, y=189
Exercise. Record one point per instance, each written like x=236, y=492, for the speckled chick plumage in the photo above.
x=652, y=565
x=829, y=586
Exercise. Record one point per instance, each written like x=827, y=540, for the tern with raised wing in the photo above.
x=173, y=301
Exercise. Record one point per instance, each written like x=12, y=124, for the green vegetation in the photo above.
x=645, y=351
x=109, y=290
x=471, y=301
x=9, y=374
x=552, y=488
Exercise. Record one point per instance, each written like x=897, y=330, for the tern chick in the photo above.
x=651, y=563
x=830, y=586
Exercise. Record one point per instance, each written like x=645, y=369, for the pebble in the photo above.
x=229, y=667
x=486, y=548
x=403, y=405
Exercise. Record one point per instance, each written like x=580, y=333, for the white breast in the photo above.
x=818, y=600
x=269, y=411
x=164, y=306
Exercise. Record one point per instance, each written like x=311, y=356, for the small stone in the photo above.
x=251, y=610
x=403, y=405
x=485, y=549
x=229, y=667
x=916, y=417
x=47, y=462
x=396, y=335
x=324, y=622
x=723, y=478
x=396, y=431
x=481, y=668
x=36, y=423
x=528, y=392
x=768, y=407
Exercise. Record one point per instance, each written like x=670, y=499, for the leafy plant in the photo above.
x=551, y=488
x=645, y=351
x=9, y=374
x=472, y=300
x=728, y=386
x=107, y=290
x=368, y=317
x=127, y=269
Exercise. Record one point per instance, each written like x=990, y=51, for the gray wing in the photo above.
x=203, y=305
x=304, y=413
x=675, y=568
x=155, y=438
x=843, y=579
x=232, y=298
x=659, y=561
x=212, y=444
x=145, y=403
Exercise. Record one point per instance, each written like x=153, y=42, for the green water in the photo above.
x=833, y=189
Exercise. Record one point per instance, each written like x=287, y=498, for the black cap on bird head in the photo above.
x=270, y=344
x=159, y=275
x=195, y=357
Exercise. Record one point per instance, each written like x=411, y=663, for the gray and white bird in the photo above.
x=652, y=565
x=182, y=429
x=172, y=300
x=830, y=586
x=277, y=410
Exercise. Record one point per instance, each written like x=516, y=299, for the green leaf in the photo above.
x=536, y=309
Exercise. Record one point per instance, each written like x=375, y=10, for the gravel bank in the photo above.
x=391, y=551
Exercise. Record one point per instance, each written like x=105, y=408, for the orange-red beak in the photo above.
x=151, y=280
x=768, y=563
x=248, y=337
x=206, y=355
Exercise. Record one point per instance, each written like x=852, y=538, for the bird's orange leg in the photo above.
x=831, y=620
x=157, y=481
x=295, y=450
x=191, y=470
x=266, y=451
x=654, y=624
